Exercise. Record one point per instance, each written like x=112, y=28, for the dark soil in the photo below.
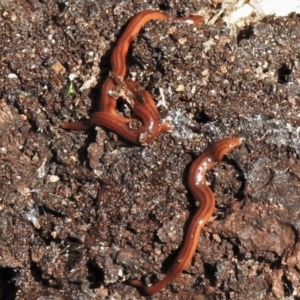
x=83, y=212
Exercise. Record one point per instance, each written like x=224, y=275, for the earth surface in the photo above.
x=84, y=212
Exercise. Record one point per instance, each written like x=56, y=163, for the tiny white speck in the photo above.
x=88, y=83
x=12, y=76
x=162, y=102
x=199, y=177
x=72, y=76
x=189, y=21
x=53, y=178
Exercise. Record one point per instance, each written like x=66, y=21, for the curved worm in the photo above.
x=118, y=56
x=206, y=200
x=143, y=107
x=146, y=109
